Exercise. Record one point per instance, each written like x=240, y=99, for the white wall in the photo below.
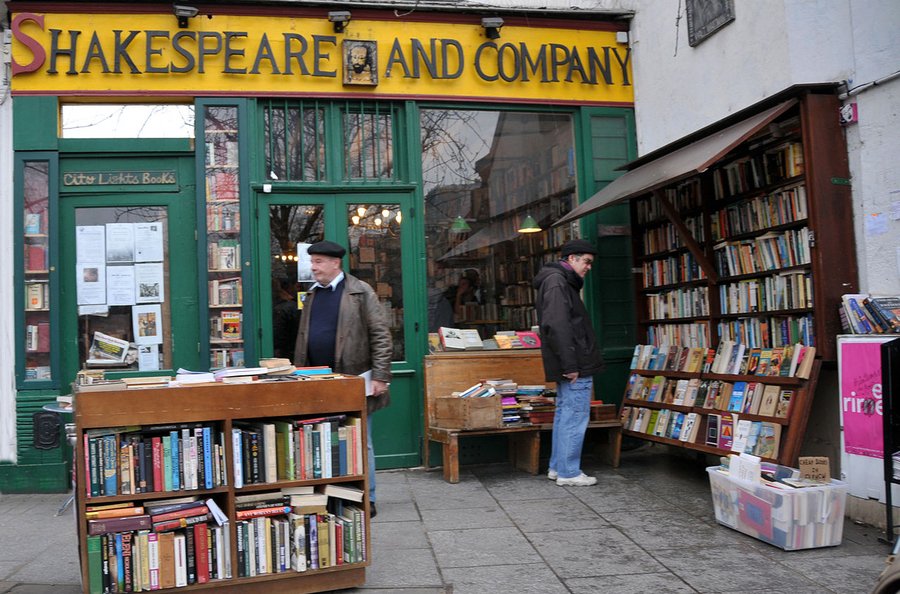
x=874, y=143
x=7, y=319
x=770, y=45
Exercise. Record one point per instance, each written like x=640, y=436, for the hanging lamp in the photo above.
x=529, y=225
x=460, y=225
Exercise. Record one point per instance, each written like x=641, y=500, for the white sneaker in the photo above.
x=552, y=475
x=582, y=480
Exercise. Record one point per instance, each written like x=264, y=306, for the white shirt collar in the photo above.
x=333, y=284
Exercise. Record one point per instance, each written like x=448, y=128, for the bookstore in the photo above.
x=172, y=173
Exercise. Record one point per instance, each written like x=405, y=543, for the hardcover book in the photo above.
x=471, y=339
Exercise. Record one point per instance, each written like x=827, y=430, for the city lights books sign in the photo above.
x=534, y=60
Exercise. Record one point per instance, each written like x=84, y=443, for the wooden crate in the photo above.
x=603, y=412
x=468, y=413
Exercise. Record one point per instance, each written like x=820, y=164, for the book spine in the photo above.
x=157, y=464
x=93, y=465
x=238, y=458
x=110, y=466
x=173, y=462
x=207, y=457
x=190, y=556
x=266, y=511
x=186, y=512
x=153, y=560
x=200, y=542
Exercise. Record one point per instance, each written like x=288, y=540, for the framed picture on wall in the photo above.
x=705, y=17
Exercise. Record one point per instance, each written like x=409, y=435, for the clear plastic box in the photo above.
x=793, y=519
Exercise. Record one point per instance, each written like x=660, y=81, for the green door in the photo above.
x=375, y=229
x=129, y=259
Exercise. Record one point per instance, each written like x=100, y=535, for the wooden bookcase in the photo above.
x=792, y=427
x=682, y=233
x=223, y=404
x=758, y=249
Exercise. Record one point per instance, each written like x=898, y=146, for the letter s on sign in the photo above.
x=40, y=55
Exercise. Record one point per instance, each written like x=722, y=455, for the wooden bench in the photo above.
x=450, y=372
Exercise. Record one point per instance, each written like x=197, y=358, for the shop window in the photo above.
x=494, y=181
x=368, y=142
x=294, y=140
x=36, y=194
x=122, y=288
x=127, y=121
x=374, y=234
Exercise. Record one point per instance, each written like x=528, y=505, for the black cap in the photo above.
x=578, y=246
x=326, y=248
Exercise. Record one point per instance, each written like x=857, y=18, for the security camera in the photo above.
x=185, y=11
x=492, y=22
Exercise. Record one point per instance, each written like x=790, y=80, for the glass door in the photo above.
x=374, y=228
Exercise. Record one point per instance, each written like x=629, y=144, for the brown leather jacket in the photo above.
x=363, y=339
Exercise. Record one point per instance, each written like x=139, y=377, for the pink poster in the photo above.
x=861, y=402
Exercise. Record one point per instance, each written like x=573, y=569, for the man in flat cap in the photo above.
x=570, y=354
x=344, y=327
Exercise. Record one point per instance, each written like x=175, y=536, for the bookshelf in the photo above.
x=223, y=236
x=223, y=408
x=756, y=249
x=706, y=395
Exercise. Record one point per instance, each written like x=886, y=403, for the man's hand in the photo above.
x=572, y=376
x=379, y=387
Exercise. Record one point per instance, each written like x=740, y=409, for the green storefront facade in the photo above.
x=385, y=169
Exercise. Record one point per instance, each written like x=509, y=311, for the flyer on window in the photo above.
x=148, y=357
x=148, y=242
x=148, y=283
x=147, y=324
x=120, y=242
x=90, y=283
x=120, y=285
x=90, y=244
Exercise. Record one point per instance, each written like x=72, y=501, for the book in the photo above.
x=804, y=367
x=451, y=339
x=775, y=362
x=783, y=408
x=765, y=355
x=344, y=491
x=231, y=325
x=529, y=339
x=726, y=431
x=889, y=309
x=503, y=341
x=472, y=339
x=768, y=441
x=736, y=398
x=32, y=223
x=741, y=435
x=769, y=401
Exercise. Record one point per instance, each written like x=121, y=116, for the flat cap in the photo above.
x=326, y=248
x=578, y=246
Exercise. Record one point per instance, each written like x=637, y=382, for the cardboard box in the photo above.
x=468, y=413
x=792, y=519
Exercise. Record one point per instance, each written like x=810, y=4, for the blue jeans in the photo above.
x=371, y=459
x=573, y=410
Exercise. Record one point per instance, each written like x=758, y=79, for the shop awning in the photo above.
x=680, y=164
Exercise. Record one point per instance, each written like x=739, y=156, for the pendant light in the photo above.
x=529, y=225
x=460, y=225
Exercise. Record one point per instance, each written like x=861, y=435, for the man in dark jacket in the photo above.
x=344, y=327
x=570, y=354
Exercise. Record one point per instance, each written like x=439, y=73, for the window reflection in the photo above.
x=292, y=229
x=374, y=233
x=295, y=129
x=127, y=121
x=485, y=173
x=368, y=144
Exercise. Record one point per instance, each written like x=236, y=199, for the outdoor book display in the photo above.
x=728, y=403
x=446, y=422
x=755, y=252
x=243, y=486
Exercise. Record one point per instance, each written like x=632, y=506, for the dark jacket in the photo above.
x=363, y=337
x=568, y=342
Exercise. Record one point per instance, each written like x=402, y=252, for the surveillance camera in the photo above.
x=492, y=22
x=339, y=16
x=185, y=11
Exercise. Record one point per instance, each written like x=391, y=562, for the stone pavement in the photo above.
x=648, y=526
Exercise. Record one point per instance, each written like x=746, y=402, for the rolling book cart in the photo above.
x=222, y=408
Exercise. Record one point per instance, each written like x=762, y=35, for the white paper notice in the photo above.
x=876, y=224
x=148, y=242
x=148, y=283
x=90, y=244
x=148, y=357
x=90, y=282
x=146, y=322
x=120, y=242
x=120, y=285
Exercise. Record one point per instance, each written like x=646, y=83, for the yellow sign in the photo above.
x=98, y=55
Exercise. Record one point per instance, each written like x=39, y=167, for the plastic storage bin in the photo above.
x=791, y=519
